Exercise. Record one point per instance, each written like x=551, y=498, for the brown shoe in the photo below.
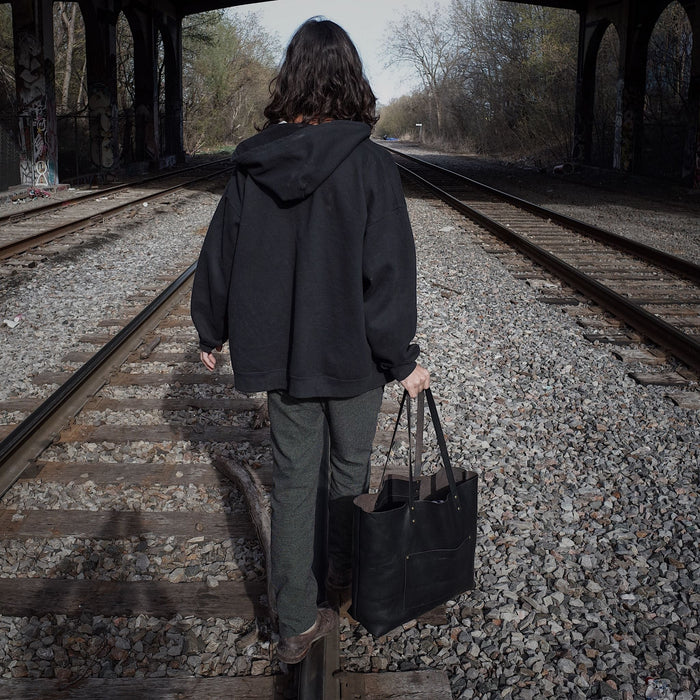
x=292, y=650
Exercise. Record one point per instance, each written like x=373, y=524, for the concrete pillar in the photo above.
x=146, y=118
x=690, y=172
x=173, y=124
x=629, y=126
x=582, y=143
x=591, y=32
x=32, y=22
x=101, y=48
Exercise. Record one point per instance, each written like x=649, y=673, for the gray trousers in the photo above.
x=307, y=434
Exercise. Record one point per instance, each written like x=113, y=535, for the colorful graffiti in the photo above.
x=37, y=128
x=627, y=124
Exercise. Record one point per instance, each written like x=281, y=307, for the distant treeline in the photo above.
x=228, y=63
x=492, y=77
x=500, y=78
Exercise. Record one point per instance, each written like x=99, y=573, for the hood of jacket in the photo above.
x=292, y=160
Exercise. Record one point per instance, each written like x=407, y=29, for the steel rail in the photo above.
x=38, y=430
x=680, y=344
x=66, y=203
x=658, y=257
x=22, y=245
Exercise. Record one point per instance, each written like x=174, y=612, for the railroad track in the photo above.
x=24, y=232
x=135, y=529
x=654, y=293
x=126, y=539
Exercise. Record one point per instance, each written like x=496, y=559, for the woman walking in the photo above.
x=308, y=271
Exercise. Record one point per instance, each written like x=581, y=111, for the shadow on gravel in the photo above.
x=17, y=277
x=77, y=623
x=197, y=406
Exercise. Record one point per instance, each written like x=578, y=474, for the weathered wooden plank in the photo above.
x=120, y=523
x=134, y=474
x=559, y=300
x=168, y=433
x=5, y=430
x=598, y=323
x=182, y=404
x=96, y=338
x=51, y=377
x=36, y=596
x=144, y=379
x=25, y=405
x=678, y=309
x=659, y=379
x=169, y=322
x=81, y=356
x=163, y=433
x=655, y=300
x=214, y=403
x=613, y=337
x=405, y=685
x=683, y=321
x=217, y=688
x=631, y=355
x=689, y=399
x=147, y=379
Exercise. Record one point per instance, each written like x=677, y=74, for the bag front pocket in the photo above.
x=434, y=576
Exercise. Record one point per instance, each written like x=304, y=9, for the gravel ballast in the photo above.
x=64, y=296
x=587, y=564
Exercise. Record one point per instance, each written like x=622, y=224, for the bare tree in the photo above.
x=7, y=61
x=427, y=42
x=125, y=64
x=668, y=64
x=69, y=48
x=666, y=111
x=67, y=13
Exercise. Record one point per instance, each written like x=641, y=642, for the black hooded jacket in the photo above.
x=308, y=267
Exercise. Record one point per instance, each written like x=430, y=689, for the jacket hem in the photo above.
x=308, y=387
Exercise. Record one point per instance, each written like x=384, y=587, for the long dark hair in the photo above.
x=321, y=78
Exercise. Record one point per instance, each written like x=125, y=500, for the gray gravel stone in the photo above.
x=587, y=561
x=588, y=488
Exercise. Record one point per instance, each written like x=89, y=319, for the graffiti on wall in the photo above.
x=37, y=131
x=627, y=125
x=101, y=120
x=627, y=140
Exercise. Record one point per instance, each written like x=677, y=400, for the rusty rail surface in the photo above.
x=682, y=345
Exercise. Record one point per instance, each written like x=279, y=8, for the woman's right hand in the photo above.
x=417, y=381
x=209, y=359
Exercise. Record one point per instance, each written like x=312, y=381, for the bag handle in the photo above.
x=393, y=436
x=441, y=443
x=435, y=418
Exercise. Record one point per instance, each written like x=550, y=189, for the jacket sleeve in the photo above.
x=389, y=269
x=210, y=290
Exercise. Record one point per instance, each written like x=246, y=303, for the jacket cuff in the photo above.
x=402, y=371
x=205, y=347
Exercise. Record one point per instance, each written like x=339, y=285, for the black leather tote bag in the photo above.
x=413, y=548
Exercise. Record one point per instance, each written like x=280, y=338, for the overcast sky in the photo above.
x=364, y=20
